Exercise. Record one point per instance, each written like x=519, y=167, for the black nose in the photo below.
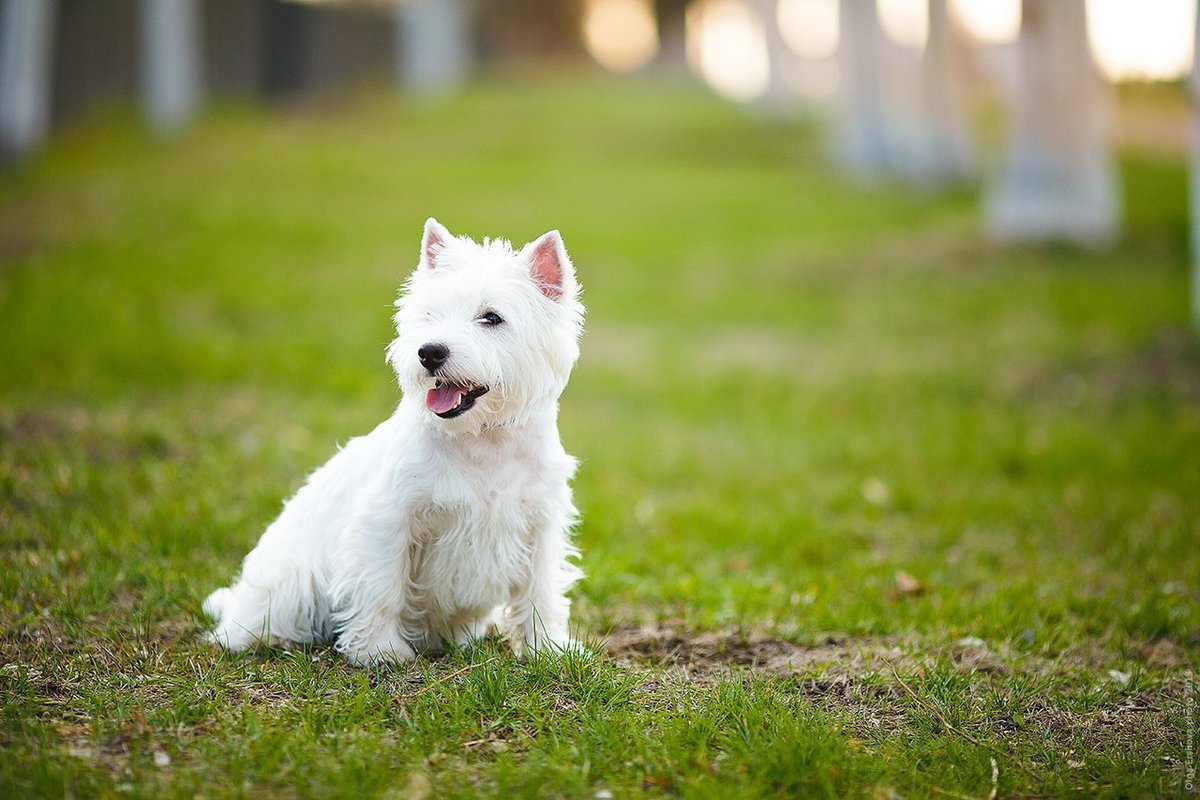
x=433, y=355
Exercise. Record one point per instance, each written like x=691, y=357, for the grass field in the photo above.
x=870, y=507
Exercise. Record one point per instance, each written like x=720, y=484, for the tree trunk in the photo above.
x=286, y=33
x=863, y=146
x=171, y=62
x=26, y=70
x=1059, y=181
x=778, y=94
x=670, y=17
x=1194, y=180
x=950, y=152
x=434, y=46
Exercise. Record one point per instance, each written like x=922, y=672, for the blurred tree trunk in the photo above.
x=524, y=29
x=171, y=62
x=1059, y=180
x=26, y=70
x=1194, y=178
x=434, y=47
x=671, y=18
x=286, y=33
x=863, y=144
x=950, y=152
x=778, y=94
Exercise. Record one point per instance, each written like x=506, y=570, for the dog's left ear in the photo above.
x=549, y=265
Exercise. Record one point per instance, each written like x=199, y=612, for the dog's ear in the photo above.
x=432, y=242
x=549, y=265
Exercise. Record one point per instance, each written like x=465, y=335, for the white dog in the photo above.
x=454, y=513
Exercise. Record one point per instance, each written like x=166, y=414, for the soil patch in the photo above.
x=707, y=654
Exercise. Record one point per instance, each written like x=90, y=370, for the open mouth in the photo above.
x=448, y=400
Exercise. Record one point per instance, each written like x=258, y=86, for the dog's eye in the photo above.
x=491, y=318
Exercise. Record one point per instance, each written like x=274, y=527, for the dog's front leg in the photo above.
x=371, y=585
x=540, y=608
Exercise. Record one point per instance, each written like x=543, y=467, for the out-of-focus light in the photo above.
x=815, y=79
x=1142, y=41
x=727, y=46
x=989, y=21
x=620, y=34
x=809, y=27
x=906, y=22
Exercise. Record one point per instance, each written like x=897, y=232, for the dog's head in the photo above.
x=486, y=334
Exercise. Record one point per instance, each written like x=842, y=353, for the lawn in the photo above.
x=871, y=507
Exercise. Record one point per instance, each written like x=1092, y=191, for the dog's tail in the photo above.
x=214, y=606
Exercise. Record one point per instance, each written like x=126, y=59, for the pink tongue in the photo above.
x=443, y=398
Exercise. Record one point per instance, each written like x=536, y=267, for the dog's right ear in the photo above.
x=432, y=242
x=549, y=265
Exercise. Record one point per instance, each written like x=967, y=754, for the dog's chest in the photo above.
x=473, y=541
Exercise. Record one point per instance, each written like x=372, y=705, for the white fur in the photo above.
x=427, y=529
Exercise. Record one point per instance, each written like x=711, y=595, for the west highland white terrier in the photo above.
x=455, y=513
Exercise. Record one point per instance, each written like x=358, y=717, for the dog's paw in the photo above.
x=234, y=638
x=388, y=648
x=214, y=604
x=553, y=646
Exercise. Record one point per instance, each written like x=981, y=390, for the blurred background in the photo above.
x=903, y=84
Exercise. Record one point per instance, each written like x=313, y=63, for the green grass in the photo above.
x=792, y=390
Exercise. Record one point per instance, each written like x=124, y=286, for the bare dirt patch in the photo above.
x=1168, y=364
x=832, y=656
x=861, y=678
x=707, y=654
